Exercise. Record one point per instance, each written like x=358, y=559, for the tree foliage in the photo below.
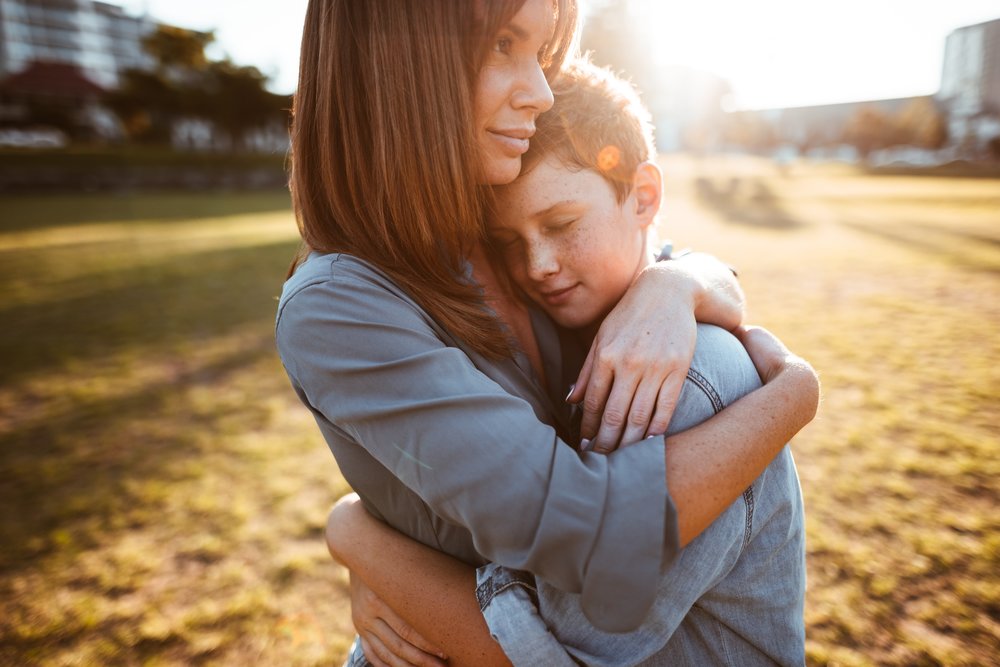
x=919, y=124
x=185, y=84
x=173, y=47
x=749, y=130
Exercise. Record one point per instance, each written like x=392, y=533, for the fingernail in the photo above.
x=585, y=445
x=572, y=388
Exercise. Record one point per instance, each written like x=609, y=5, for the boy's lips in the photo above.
x=558, y=297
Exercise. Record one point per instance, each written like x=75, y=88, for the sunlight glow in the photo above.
x=773, y=52
x=788, y=53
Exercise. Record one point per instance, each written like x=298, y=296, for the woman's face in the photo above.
x=512, y=91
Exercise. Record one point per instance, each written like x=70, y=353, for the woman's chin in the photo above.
x=502, y=171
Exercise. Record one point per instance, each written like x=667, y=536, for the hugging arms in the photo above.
x=455, y=456
x=425, y=402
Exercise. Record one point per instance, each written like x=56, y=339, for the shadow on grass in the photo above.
x=74, y=466
x=966, y=234
x=86, y=462
x=179, y=300
x=745, y=201
x=927, y=238
x=34, y=212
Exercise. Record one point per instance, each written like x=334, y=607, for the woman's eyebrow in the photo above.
x=518, y=31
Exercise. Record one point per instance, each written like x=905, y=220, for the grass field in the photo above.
x=164, y=491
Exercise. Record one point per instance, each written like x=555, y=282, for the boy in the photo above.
x=573, y=232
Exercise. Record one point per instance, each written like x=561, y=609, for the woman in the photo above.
x=401, y=115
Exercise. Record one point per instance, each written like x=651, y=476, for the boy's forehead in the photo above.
x=549, y=184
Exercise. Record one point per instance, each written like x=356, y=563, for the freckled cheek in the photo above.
x=573, y=252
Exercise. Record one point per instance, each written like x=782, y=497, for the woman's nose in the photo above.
x=534, y=91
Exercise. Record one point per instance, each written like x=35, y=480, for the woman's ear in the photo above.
x=647, y=189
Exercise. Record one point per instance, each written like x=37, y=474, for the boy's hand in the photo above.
x=770, y=356
x=634, y=372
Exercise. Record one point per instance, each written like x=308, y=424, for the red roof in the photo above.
x=56, y=79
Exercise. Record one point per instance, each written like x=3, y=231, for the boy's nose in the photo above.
x=542, y=262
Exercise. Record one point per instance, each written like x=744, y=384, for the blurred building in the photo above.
x=970, y=83
x=98, y=39
x=960, y=121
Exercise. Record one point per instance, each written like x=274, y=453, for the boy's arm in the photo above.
x=409, y=599
x=406, y=598
x=632, y=377
x=710, y=465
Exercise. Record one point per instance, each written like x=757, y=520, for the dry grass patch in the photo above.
x=165, y=491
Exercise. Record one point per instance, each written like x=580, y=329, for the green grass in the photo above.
x=889, y=285
x=164, y=491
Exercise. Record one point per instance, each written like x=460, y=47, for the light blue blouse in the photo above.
x=454, y=449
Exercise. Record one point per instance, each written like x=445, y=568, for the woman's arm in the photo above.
x=424, y=591
x=422, y=428
x=433, y=594
x=632, y=377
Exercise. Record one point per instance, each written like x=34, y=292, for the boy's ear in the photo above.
x=647, y=189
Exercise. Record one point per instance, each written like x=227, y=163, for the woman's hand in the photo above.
x=385, y=637
x=387, y=640
x=634, y=372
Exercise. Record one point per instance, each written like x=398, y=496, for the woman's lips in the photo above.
x=514, y=143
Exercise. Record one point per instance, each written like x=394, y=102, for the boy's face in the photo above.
x=567, y=242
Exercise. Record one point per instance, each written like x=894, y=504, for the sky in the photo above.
x=774, y=53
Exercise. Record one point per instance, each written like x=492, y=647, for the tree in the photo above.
x=146, y=103
x=869, y=130
x=236, y=100
x=175, y=48
x=920, y=124
x=186, y=84
x=749, y=130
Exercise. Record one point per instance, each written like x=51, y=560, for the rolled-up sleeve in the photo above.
x=372, y=364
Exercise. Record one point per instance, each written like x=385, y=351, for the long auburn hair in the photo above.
x=384, y=160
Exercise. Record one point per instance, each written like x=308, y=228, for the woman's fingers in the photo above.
x=399, y=652
x=380, y=655
x=371, y=655
x=594, y=399
x=392, y=641
x=408, y=643
x=616, y=411
x=640, y=414
x=666, y=403
x=579, y=389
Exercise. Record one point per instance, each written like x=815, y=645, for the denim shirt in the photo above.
x=453, y=449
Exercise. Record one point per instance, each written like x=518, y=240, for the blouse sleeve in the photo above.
x=373, y=364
